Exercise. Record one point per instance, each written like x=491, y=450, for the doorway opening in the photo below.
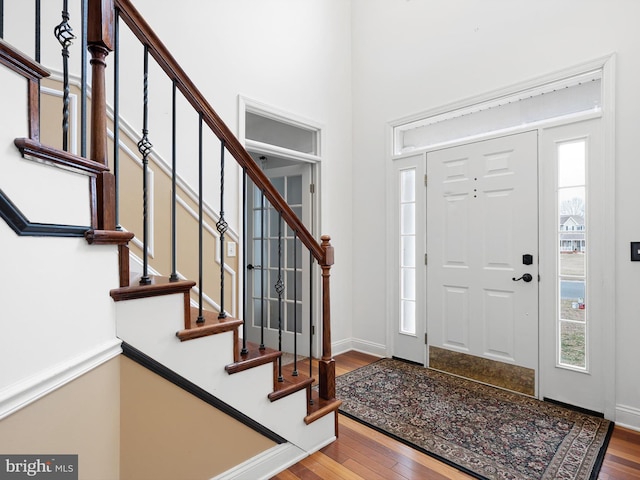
x=468, y=321
x=278, y=269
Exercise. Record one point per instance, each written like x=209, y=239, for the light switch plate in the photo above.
x=635, y=251
x=231, y=249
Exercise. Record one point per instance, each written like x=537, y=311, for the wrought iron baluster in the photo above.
x=200, y=319
x=263, y=269
x=311, y=322
x=144, y=147
x=65, y=36
x=279, y=287
x=295, y=303
x=38, y=39
x=1, y=18
x=174, y=166
x=245, y=269
x=222, y=227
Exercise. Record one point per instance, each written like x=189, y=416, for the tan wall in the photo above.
x=125, y=422
x=169, y=434
x=82, y=417
x=160, y=206
x=160, y=228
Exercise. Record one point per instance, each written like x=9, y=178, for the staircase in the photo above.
x=161, y=318
x=209, y=356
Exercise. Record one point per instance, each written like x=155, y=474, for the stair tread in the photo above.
x=253, y=358
x=290, y=384
x=157, y=286
x=211, y=325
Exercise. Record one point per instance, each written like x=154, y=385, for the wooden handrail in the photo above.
x=172, y=69
x=322, y=253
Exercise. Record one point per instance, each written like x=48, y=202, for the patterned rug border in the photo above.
x=597, y=463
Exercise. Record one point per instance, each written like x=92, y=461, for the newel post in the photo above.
x=327, y=365
x=100, y=43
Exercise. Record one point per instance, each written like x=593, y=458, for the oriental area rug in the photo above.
x=486, y=432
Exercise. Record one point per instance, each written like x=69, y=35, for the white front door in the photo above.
x=276, y=258
x=482, y=246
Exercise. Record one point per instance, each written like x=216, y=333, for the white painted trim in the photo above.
x=364, y=346
x=609, y=232
x=267, y=149
x=29, y=390
x=266, y=464
x=269, y=463
x=73, y=114
x=323, y=443
x=628, y=417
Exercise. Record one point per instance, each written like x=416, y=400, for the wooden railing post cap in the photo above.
x=328, y=250
x=101, y=15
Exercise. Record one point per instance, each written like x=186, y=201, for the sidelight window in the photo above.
x=573, y=311
x=408, y=251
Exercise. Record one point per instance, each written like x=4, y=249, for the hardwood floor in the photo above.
x=363, y=453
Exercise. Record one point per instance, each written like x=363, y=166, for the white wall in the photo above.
x=294, y=56
x=58, y=319
x=414, y=55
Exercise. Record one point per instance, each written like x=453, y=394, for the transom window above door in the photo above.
x=269, y=131
x=573, y=95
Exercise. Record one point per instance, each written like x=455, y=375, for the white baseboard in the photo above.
x=628, y=417
x=341, y=346
x=22, y=393
x=358, y=345
x=265, y=465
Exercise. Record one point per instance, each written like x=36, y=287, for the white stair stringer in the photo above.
x=150, y=324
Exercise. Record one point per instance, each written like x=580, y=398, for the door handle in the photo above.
x=527, y=277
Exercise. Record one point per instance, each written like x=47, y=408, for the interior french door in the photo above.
x=277, y=262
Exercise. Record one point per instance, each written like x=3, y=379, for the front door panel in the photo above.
x=482, y=218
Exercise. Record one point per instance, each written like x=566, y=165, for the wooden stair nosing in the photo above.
x=320, y=407
x=212, y=325
x=289, y=385
x=158, y=286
